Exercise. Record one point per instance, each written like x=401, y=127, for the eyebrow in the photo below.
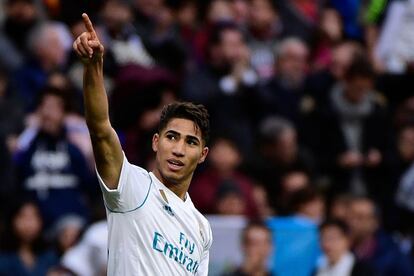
x=192, y=137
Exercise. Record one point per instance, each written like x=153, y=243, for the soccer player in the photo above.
x=154, y=228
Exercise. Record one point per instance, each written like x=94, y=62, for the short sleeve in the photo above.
x=132, y=190
x=203, y=268
x=204, y=261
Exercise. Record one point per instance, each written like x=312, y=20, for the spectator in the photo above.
x=308, y=203
x=299, y=18
x=373, y=245
x=222, y=180
x=256, y=242
x=356, y=120
x=291, y=182
x=229, y=200
x=51, y=169
x=24, y=251
x=282, y=95
x=264, y=30
x=339, y=207
x=21, y=17
x=400, y=206
x=330, y=33
x=119, y=34
x=338, y=260
x=48, y=52
x=279, y=152
x=66, y=232
x=89, y=256
x=226, y=85
x=296, y=236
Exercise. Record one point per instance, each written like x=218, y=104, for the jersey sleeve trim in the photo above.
x=139, y=206
x=121, y=176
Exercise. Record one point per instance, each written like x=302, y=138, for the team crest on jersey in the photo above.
x=169, y=210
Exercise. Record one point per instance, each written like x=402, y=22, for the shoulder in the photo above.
x=362, y=269
x=204, y=228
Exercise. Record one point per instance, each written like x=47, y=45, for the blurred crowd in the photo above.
x=312, y=116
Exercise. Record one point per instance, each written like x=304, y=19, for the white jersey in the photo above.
x=151, y=230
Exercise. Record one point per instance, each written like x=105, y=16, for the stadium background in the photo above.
x=311, y=110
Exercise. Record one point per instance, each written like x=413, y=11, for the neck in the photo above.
x=26, y=255
x=178, y=188
x=254, y=269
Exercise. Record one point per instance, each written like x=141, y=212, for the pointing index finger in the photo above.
x=88, y=25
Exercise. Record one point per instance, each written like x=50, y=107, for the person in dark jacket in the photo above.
x=51, y=170
x=338, y=260
x=354, y=125
x=372, y=244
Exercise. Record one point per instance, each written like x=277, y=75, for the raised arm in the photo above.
x=106, y=146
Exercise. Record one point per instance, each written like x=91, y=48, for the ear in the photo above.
x=203, y=155
x=155, y=140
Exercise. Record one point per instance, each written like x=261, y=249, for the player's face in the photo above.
x=179, y=149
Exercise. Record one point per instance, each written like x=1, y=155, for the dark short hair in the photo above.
x=216, y=34
x=340, y=224
x=254, y=224
x=63, y=94
x=186, y=110
x=360, y=67
x=303, y=197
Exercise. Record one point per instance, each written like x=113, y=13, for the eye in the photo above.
x=192, y=142
x=171, y=136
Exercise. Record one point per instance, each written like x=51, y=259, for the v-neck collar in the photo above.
x=171, y=196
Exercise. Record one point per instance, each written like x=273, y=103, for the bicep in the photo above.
x=108, y=156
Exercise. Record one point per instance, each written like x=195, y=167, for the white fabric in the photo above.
x=342, y=268
x=89, y=256
x=147, y=235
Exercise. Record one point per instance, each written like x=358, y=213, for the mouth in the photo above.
x=174, y=164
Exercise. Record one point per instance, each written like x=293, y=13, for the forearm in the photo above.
x=95, y=98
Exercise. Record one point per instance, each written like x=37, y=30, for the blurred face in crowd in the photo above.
x=294, y=181
x=27, y=223
x=51, y=114
x=49, y=48
x=231, y=43
x=69, y=236
x=340, y=208
x=406, y=143
x=21, y=11
x=148, y=8
x=331, y=24
x=224, y=156
x=341, y=59
x=262, y=15
x=362, y=219
x=314, y=209
x=334, y=243
x=116, y=15
x=231, y=204
x=257, y=246
x=292, y=63
x=240, y=9
x=187, y=14
x=357, y=88
x=219, y=10
x=179, y=149
x=285, y=148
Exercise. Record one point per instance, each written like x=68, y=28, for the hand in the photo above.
x=350, y=159
x=373, y=158
x=241, y=63
x=87, y=46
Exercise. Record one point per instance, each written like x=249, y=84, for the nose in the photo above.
x=179, y=148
